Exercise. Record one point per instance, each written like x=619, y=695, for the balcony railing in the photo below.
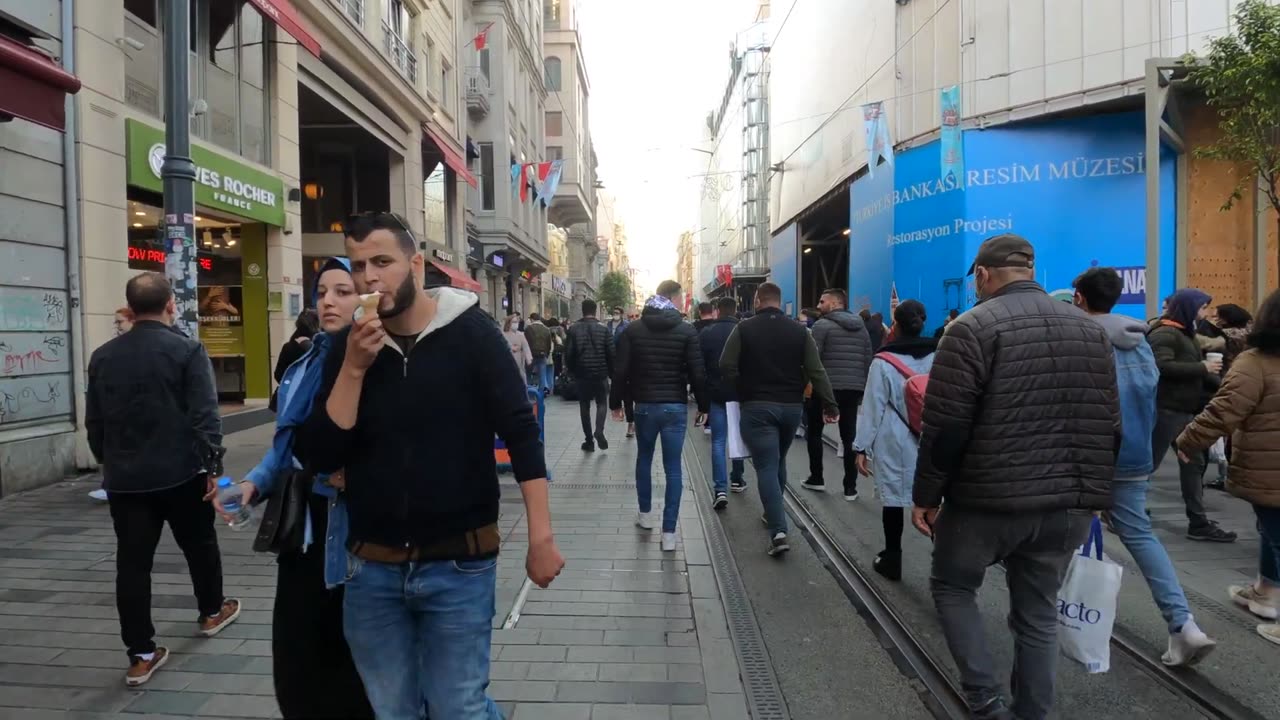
x=399, y=53
x=353, y=9
x=477, y=91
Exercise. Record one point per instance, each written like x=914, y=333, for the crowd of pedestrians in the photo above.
x=1000, y=435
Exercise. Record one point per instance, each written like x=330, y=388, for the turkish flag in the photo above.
x=482, y=37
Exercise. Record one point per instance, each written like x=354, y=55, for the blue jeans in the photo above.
x=768, y=429
x=1129, y=518
x=668, y=421
x=1269, y=557
x=542, y=374
x=719, y=420
x=420, y=633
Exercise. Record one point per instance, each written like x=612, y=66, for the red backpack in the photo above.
x=913, y=391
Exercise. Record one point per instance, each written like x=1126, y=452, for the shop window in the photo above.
x=435, y=206
x=487, y=179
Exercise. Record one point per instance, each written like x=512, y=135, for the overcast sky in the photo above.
x=657, y=67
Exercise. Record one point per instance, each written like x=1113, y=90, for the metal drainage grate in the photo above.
x=764, y=695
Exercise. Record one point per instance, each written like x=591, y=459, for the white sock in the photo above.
x=146, y=657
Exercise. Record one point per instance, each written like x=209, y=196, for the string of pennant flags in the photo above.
x=543, y=177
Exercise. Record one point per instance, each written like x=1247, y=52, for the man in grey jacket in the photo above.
x=845, y=349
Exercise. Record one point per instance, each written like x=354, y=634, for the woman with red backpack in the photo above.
x=889, y=425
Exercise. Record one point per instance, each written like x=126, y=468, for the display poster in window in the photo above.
x=221, y=324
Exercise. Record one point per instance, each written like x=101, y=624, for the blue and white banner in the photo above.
x=879, y=144
x=952, y=135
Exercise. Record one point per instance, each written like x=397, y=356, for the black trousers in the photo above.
x=593, y=390
x=848, y=401
x=314, y=674
x=139, y=518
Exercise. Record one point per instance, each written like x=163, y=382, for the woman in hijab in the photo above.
x=314, y=674
x=884, y=440
x=304, y=328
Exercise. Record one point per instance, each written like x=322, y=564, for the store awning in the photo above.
x=457, y=278
x=451, y=152
x=284, y=15
x=32, y=86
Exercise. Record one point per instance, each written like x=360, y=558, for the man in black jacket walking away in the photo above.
x=151, y=413
x=713, y=338
x=412, y=396
x=658, y=358
x=1021, y=428
x=589, y=357
x=768, y=360
x=845, y=350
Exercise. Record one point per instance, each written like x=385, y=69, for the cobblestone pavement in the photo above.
x=626, y=632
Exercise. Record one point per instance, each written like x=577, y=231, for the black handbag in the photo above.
x=284, y=521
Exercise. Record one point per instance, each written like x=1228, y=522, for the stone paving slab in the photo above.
x=627, y=632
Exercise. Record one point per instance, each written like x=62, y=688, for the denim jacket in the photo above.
x=297, y=390
x=1136, y=378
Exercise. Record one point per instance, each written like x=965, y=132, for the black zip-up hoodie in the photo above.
x=419, y=462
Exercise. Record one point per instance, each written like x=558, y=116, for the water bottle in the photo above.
x=230, y=496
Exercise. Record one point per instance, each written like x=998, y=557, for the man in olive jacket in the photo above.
x=1021, y=429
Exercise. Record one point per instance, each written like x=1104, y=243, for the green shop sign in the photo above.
x=221, y=183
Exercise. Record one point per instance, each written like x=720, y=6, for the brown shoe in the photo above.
x=141, y=670
x=212, y=625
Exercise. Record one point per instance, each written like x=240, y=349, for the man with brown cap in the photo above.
x=1021, y=428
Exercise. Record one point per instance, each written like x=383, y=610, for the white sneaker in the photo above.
x=1188, y=646
x=1264, y=605
x=1270, y=632
x=644, y=520
x=100, y=495
x=668, y=542
x=706, y=430
x=851, y=497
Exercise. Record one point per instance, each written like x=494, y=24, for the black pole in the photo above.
x=178, y=171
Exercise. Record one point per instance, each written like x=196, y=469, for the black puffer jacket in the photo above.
x=657, y=359
x=589, y=350
x=1022, y=411
x=1183, y=375
x=845, y=349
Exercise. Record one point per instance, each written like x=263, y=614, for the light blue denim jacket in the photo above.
x=267, y=474
x=1136, y=379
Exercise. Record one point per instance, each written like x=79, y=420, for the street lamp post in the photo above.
x=178, y=171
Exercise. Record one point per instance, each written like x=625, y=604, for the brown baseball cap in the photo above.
x=1006, y=250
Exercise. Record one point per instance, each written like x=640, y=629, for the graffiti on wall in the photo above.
x=28, y=309
x=34, y=353
x=34, y=398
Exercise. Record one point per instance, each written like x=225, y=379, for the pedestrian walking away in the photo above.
x=541, y=344
x=1097, y=291
x=1247, y=407
x=311, y=664
x=1052, y=387
x=658, y=359
x=886, y=444
x=768, y=360
x=844, y=347
x=712, y=339
x=1187, y=380
x=617, y=324
x=589, y=358
x=410, y=399
x=151, y=414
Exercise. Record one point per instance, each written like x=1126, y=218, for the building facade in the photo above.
x=303, y=112
x=506, y=100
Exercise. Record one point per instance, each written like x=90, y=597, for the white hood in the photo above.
x=450, y=304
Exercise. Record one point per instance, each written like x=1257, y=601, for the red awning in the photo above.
x=452, y=153
x=457, y=278
x=283, y=14
x=32, y=86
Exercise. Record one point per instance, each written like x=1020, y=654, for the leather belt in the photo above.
x=477, y=543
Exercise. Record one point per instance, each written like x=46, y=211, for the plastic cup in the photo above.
x=1213, y=357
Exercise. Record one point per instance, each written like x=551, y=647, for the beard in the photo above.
x=402, y=300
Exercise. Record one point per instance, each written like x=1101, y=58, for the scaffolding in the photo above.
x=755, y=155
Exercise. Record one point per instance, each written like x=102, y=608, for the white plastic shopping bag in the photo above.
x=733, y=416
x=1218, y=451
x=1087, y=604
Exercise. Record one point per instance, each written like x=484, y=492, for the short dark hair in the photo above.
x=726, y=306
x=360, y=225
x=705, y=308
x=617, y=309
x=588, y=307
x=770, y=293
x=838, y=294
x=953, y=314
x=148, y=293
x=1231, y=315
x=1100, y=287
x=535, y=317
x=668, y=289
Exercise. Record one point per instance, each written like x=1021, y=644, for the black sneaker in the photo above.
x=1211, y=533
x=602, y=441
x=588, y=446
x=722, y=501
x=778, y=545
x=738, y=485
x=889, y=564
x=818, y=485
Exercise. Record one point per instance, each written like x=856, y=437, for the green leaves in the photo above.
x=615, y=291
